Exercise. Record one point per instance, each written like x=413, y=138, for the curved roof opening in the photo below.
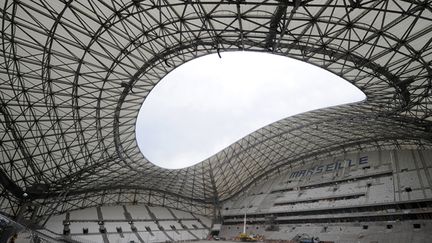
x=209, y=103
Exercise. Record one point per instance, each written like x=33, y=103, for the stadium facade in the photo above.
x=74, y=74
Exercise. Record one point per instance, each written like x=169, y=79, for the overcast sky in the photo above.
x=209, y=103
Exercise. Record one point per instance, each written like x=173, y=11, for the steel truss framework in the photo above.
x=73, y=75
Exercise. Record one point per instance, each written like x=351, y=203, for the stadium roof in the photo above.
x=73, y=75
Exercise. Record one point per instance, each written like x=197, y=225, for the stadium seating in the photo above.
x=330, y=198
x=146, y=224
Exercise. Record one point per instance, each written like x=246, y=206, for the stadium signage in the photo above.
x=329, y=167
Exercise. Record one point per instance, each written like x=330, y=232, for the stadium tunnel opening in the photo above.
x=210, y=102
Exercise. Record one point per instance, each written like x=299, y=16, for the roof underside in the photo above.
x=73, y=75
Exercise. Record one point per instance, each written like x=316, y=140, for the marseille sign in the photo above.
x=329, y=167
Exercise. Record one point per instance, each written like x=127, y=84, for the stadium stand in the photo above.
x=337, y=198
x=150, y=223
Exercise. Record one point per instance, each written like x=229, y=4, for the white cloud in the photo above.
x=210, y=102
